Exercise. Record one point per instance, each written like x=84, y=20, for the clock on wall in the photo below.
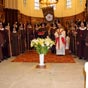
x=49, y=17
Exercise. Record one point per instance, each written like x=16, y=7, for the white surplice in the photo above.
x=60, y=41
x=67, y=42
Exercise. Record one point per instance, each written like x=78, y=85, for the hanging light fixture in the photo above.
x=48, y=2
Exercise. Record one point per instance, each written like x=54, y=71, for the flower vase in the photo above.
x=41, y=61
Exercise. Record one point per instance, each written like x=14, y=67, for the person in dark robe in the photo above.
x=36, y=28
x=72, y=35
x=5, y=45
x=42, y=32
x=86, y=44
x=80, y=38
x=1, y=42
x=1, y=45
x=22, y=34
x=16, y=25
x=7, y=28
x=15, y=42
x=52, y=36
x=30, y=36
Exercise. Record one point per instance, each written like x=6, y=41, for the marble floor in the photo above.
x=55, y=75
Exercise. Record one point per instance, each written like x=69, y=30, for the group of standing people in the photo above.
x=78, y=34
x=16, y=39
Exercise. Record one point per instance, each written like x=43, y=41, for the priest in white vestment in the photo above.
x=60, y=41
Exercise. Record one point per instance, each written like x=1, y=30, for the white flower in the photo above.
x=42, y=45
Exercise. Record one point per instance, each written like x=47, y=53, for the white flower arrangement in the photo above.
x=42, y=45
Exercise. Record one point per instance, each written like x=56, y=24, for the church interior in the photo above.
x=43, y=43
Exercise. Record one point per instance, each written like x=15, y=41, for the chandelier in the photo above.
x=48, y=2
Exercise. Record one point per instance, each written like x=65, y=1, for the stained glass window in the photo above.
x=68, y=3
